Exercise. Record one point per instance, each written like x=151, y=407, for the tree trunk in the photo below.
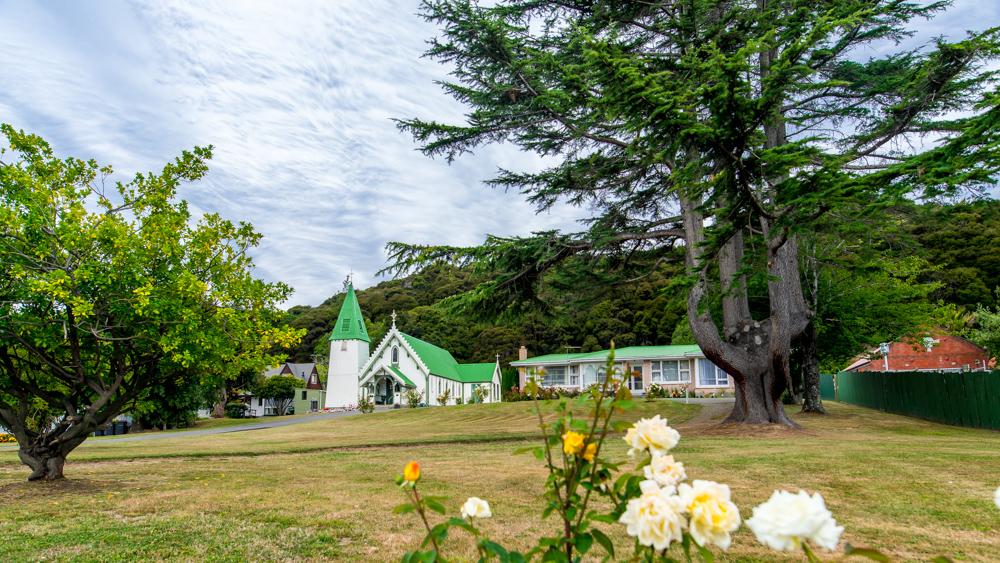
x=219, y=409
x=44, y=466
x=811, y=399
x=47, y=457
x=748, y=352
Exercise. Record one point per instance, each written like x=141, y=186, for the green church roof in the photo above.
x=441, y=363
x=405, y=379
x=350, y=323
x=476, y=373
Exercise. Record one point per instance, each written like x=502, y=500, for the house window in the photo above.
x=343, y=345
x=395, y=356
x=303, y=395
x=591, y=374
x=673, y=371
x=710, y=375
x=555, y=377
x=574, y=375
x=260, y=402
x=346, y=325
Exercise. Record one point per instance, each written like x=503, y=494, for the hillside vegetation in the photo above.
x=962, y=241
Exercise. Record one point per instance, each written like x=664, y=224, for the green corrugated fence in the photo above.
x=826, y=389
x=969, y=399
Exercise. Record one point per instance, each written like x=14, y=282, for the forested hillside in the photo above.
x=961, y=240
x=640, y=313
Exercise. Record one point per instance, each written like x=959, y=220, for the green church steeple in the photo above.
x=350, y=324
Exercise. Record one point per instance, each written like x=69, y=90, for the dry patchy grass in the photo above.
x=911, y=488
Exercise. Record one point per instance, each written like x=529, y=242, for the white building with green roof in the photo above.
x=673, y=367
x=398, y=364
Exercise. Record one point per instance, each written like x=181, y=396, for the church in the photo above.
x=399, y=363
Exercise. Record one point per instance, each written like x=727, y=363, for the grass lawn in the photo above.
x=323, y=490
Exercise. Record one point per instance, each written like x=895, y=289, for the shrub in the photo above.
x=366, y=405
x=4, y=438
x=458, y=400
x=655, y=391
x=480, y=394
x=443, y=397
x=236, y=410
x=413, y=398
x=514, y=395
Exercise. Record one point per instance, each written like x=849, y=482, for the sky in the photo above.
x=297, y=100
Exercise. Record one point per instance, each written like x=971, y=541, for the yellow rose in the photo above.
x=653, y=435
x=573, y=442
x=589, y=453
x=412, y=472
x=655, y=518
x=712, y=513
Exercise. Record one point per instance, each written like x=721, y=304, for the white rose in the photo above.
x=476, y=508
x=996, y=497
x=655, y=518
x=665, y=471
x=713, y=514
x=786, y=520
x=651, y=434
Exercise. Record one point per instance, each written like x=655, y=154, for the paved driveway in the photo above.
x=270, y=423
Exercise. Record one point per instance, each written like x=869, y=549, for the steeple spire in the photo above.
x=350, y=323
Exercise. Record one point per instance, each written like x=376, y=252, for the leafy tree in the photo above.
x=682, y=334
x=281, y=390
x=987, y=334
x=963, y=241
x=104, y=296
x=500, y=340
x=172, y=403
x=753, y=118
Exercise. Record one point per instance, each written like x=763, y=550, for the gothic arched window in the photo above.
x=395, y=355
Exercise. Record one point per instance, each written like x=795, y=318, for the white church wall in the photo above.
x=346, y=360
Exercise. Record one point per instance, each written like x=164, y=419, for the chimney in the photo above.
x=522, y=354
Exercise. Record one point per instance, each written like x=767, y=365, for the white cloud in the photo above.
x=297, y=99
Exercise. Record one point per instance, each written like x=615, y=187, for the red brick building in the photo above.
x=934, y=351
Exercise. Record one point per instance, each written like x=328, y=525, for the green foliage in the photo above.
x=682, y=334
x=442, y=399
x=172, y=403
x=366, y=405
x=963, y=240
x=236, y=410
x=655, y=391
x=281, y=390
x=987, y=334
x=481, y=394
x=413, y=398
x=106, y=294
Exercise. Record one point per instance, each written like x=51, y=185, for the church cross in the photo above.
x=394, y=318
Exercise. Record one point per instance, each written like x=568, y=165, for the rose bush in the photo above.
x=659, y=511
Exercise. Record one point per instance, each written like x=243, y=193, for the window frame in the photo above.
x=705, y=363
x=549, y=379
x=681, y=370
